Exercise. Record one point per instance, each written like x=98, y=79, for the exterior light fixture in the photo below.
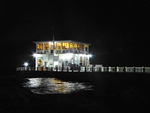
x=90, y=55
x=84, y=55
x=36, y=55
x=26, y=64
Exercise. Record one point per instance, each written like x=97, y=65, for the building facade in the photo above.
x=64, y=53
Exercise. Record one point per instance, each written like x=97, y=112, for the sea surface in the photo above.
x=98, y=93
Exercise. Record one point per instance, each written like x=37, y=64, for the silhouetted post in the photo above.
x=76, y=67
x=27, y=68
x=72, y=68
x=124, y=69
x=92, y=68
x=56, y=69
x=134, y=69
x=85, y=69
x=79, y=69
x=62, y=69
x=99, y=69
x=51, y=69
x=143, y=69
x=67, y=69
x=107, y=69
x=115, y=69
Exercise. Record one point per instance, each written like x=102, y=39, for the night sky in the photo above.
x=118, y=31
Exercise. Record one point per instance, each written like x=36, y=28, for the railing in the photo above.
x=62, y=51
x=88, y=69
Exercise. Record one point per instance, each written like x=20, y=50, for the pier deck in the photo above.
x=89, y=69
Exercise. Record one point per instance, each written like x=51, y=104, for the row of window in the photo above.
x=59, y=46
x=67, y=63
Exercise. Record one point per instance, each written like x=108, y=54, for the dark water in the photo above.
x=95, y=93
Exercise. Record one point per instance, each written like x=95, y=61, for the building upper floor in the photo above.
x=62, y=46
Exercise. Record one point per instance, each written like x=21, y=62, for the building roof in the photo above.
x=61, y=41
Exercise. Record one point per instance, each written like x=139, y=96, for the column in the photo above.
x=88, y=49
x=36, y=63
x=49, y=47
x=88, y=61
x=36, y=47
x=61, y=45
x=83, y=60
x=43, y=47
x=84, y=49
x=69, y=45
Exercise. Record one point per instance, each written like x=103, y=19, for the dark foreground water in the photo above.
x=100, y=93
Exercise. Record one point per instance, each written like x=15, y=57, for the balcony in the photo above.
x=63, y=51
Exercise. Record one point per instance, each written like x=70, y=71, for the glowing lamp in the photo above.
x=35, y=55
x=25, y=64
x=89, y=55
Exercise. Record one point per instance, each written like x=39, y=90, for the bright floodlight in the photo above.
x=26, y=64
x=90, y=55
x=36, y=55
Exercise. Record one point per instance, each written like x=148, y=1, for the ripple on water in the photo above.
x=54, y=86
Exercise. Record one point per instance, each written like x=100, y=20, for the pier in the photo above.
x=88, y=69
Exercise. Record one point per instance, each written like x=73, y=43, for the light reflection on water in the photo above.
x=54, y=86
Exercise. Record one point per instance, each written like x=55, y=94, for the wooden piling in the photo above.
x=67, y=69
x=85, y=69
x=99, y=69
x=79, y=69
x=51, y=69
x=143, y=68
x=56, y=69
x=72, y=68
x=62, y=69
x=92, y=69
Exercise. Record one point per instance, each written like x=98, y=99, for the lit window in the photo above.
x=71, y=45
x=46, y=46
x=65, y=45
x=79, y=47
x=75, y=45
x=39, y=46
x=58, y=46
x=86, y=45
x=51, y=47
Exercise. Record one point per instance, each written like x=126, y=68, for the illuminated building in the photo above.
x=64, y=53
